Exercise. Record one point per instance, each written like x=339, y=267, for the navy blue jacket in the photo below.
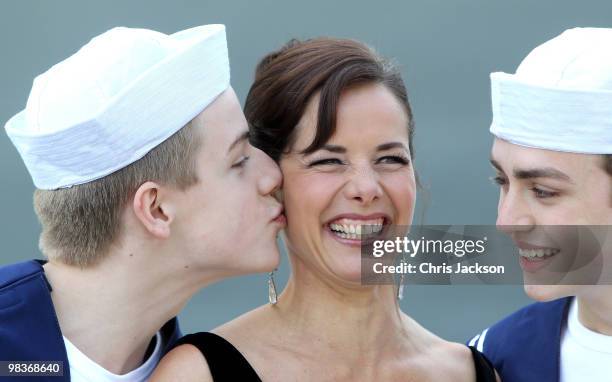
x=526, y=346
x=29, y=329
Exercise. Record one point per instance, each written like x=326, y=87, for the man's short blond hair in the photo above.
x=80, y=223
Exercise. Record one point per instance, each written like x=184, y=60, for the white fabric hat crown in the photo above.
x=118, y=97
x=561, y=95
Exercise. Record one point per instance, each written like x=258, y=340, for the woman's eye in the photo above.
x=543, y=194
x=327, y=161
x=499, y=180
x=394, y=159
x=241, y=162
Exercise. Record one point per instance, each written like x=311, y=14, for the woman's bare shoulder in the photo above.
x=249, y=326
x=460, y=359
x=443, y=357
x=184, y=363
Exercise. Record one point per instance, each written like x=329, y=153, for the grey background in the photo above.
x=446, y=49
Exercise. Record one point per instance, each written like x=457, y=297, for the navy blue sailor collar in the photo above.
x=29, y=329
x=526, y=346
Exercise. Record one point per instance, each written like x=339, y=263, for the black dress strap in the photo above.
x=485, y=372
x=225, y=362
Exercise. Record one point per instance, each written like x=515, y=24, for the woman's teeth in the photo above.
x=538, y=253
x=356, y=229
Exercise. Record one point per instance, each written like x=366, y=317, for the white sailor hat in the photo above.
x=561, y=95
x=114, y=100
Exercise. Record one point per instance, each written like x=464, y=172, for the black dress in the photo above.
x=227, y=364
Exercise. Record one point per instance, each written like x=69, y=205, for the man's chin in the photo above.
x=543, y=293
x=266, y=259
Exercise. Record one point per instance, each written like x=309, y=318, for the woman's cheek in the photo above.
x=317, y=188
x=402, y=193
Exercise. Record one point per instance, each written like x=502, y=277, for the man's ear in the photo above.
x=152, y=209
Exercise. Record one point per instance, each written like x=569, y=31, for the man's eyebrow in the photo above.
x=532, y=173
x=391, y=145
x=496, y=165
x=242, y=137
x=544, y=172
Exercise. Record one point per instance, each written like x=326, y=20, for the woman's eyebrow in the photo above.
x=391, y=145
x=381, y=147
x=334, y=149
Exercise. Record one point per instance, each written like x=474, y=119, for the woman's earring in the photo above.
x=400, y=286
x=271, y=288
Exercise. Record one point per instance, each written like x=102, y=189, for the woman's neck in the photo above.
x=366, y=319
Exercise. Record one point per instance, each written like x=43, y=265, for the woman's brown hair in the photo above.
x=286, y=80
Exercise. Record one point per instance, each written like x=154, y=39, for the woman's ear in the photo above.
x=153, y=210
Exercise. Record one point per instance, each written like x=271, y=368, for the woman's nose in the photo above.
x=363, y=186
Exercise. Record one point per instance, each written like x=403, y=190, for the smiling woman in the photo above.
x=336, y=118
x=362, y=175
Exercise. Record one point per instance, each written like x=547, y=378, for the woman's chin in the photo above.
x=348, y=271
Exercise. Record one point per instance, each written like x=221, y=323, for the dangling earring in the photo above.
x=271, y=288
x=400, y=286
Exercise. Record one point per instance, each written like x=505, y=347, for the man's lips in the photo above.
x=525, y=245
x=534, y=257
x=279, y=215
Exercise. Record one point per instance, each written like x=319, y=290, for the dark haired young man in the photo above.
x=552, y=122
